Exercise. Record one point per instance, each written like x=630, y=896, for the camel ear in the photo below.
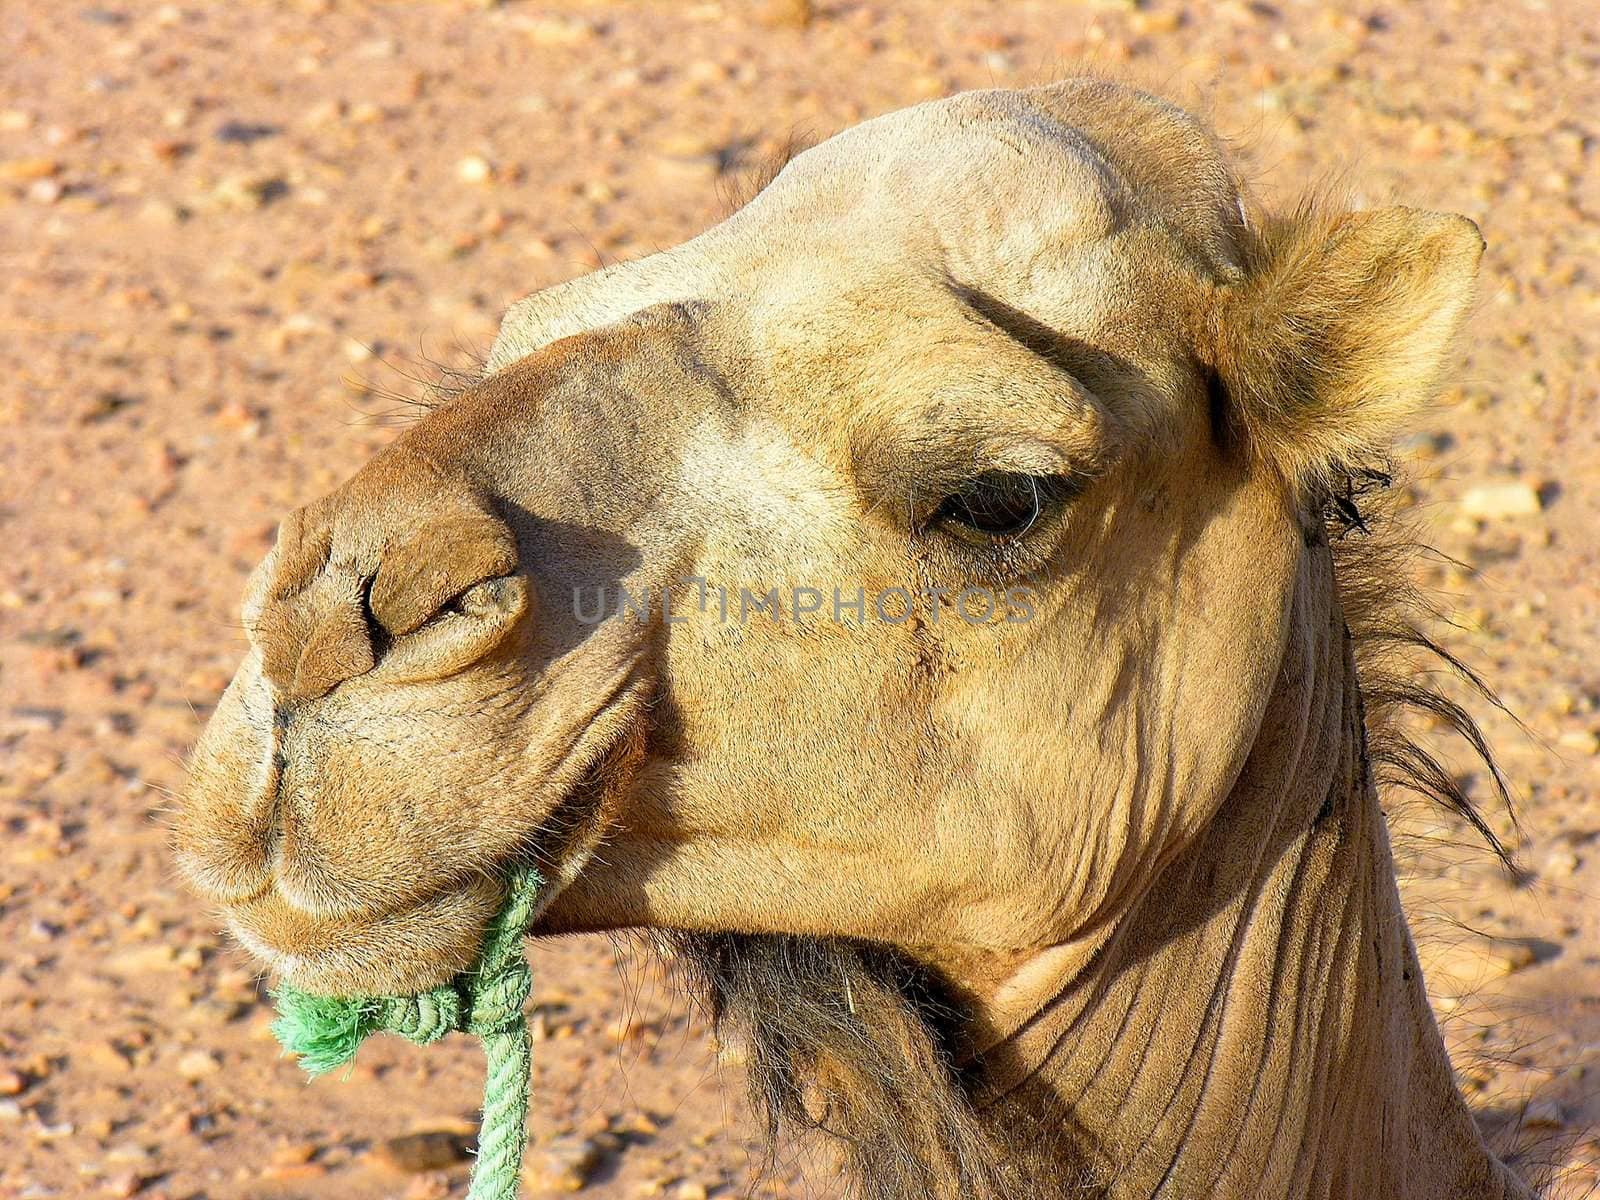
x=1338, y=335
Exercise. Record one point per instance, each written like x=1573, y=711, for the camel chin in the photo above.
x=925, y=597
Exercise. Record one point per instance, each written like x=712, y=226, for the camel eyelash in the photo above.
x=1001, y=505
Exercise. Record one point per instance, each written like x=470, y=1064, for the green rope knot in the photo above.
x=423, y=1018
x=496, y=1004
x=485, y=1001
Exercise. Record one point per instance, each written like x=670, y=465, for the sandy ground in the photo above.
x=229, y=231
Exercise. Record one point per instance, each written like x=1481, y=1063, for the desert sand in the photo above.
x=232, y=234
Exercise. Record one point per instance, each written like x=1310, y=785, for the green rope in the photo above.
x=485, y=1001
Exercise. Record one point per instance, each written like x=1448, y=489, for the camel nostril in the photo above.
x=338, y=649
x=376, y=633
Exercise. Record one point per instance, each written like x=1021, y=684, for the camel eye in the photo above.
x=998, y=504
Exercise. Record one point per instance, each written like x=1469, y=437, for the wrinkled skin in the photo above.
x=1059, y=285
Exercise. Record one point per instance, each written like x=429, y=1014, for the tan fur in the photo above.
x=1339, y=334
x=1111, y=882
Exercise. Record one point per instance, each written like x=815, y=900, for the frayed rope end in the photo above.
x=323, y=1032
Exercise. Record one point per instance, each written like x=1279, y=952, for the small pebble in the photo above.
x=1494, y=501
x=429, y=1150
x=474, y=169
x=565, y=1163
x=123, y=1184
x=434, y=1185
x=197, y=1064
x=1543, y=1114
x=19, y=170
x=244, y=133
x=557, y=31
x=294, y=1153
x=1583, y=741
x=305, y=1170
x=785, y=14
x=249, y=191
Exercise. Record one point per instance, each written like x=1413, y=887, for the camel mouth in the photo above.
x=409, y=949
x=425, y=940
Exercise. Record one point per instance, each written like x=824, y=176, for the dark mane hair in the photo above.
x=862, y=1044
x=1401, y=667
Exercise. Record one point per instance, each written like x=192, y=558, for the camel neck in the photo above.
x=1255, y=1024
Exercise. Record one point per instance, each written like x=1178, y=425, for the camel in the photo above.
x=936, y=599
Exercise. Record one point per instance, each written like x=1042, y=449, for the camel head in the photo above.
x=908, y=559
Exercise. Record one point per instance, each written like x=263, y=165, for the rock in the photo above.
x=474, y=169
x=1583, y=741
x=305, y=1170
x=1561, y=863
x=1461, y=967
x=325, y=112
x=12, y=1083
x=30, y=719
x=45, y=191
x=1167, y=20
x=690, y=155
x=10, y=1112
x=21, y=170
x=565, y=1163
x=378, y=48
x=1544, y=1114
x=1428, y=139
x=143, y=960
x=1495, y=501
x=244, y=133
x=163, y=212
x=557, y=31
x=294, y=327
x=356, y=351
x=247, y=192
x=428, y=1150
x=1506, y=956
x=1424, y=443
x=288, y=1154
x=197, y=1064
x=123, y=1184
x=690, y=1189
x=785, y=14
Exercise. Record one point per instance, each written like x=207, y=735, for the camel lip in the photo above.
x=371, y=953
x=423, y=939
x=408, y=949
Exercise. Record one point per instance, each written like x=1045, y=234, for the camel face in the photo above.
x=909, y=558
